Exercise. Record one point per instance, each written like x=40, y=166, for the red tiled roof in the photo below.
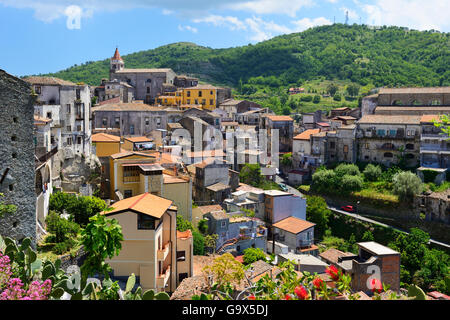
x=280, y=118
x=293, y=225
x=117, y=55
x=306, y=134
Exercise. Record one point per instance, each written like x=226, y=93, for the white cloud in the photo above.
x=307, y=23
x=415, y=14
x=287, y=7
x=230, y=22
x=188, y=28
x=263, y=30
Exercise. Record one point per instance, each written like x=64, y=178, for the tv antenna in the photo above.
x=346, y=17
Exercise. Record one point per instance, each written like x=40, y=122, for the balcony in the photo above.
x=163, y=278
x=433, y=136
x=164, y=252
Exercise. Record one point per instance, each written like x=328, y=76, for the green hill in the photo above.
x=387, y=56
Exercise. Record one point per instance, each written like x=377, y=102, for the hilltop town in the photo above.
x=181, y=176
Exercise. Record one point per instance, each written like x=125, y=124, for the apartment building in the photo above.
x=285, y=127
x=69, y=106
x=434, y=145
x=151, y=249
x=203, y=94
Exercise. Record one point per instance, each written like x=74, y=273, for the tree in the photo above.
x=183, y=225
x=337, y=97
x=316, y=99
x=203, y=226
x=332, y=88
x=367, y=236
x=253, y=254
x=353, y=90
x=351, y=184
x=199, y=243
x=442, y=123
x=324, y=181
x=406, y=184
x=347, y=169
x=211, y=241
x=434, y=270
x=251, y=174
x=225, y=270
x=372, y=172
x=101, y=240
x=286, y=159
x=317, y=212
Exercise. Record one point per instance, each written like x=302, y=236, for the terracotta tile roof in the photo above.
x=202, y=87
x=117, y=55
x=438, y=295
x=219, y=214
x=306, y=134
x=279, y=118
x=49, y=81
x=126, y=107
x=41, y=120
x=246, y=187
x=323, y=124
x=293, y=225
x=218, y=187
x=104, y=137
x=175, y=125
x=184, y=235
x=171, y=179
x=123, y=154
x=112, y=100
x=331, y=255
x=429, y=118
x=230, y=123
x=210, y=208
x=146, y=203
x=340, y=109
x=138, y=139
x=392, y=119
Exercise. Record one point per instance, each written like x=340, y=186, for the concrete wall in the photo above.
x=286, y=206
x=17, y=156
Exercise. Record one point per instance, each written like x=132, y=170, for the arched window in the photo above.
x=416, y=103
x=409, y=146
x=148, y=81
x=388, y=155
x=388, y=146
x=436, y=102
x=397, y=103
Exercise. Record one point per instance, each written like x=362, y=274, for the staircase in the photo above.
x=226, y=244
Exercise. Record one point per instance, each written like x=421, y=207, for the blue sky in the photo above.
x=40, y=36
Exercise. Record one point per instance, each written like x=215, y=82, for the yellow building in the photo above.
x=134, y=173
x=105, y=144
x=205, y=95
x=150, y=243
x=171, y=99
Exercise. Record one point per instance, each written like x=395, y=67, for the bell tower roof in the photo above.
x=117, y=55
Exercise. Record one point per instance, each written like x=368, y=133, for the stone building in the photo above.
x=435, y=206
x=387, y=140
x=147, y=83
x=434, y=145
x=285, y=127
x=134, y=119
x=114, y=89
x=69, y=106
x=17, y=160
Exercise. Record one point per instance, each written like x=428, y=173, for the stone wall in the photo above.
x=17, y=172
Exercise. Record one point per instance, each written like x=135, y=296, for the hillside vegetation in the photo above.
x=388, y=56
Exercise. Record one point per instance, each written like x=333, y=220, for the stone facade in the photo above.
x=17, y=162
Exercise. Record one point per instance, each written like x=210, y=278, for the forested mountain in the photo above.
x=384, y=56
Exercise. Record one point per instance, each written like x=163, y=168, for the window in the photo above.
x=388, y=155
x=196, y=101
x=69, y=128
x=79, y=128
x=158, y=121
x=117, y=121
x=78, y=140
x=128, y=194
x=332, y=144
x=200, y=93
x=181, y=256
x=148, y=81
x=345, y=148
x=409, y=146
x=145, y=222
x=69, y=141
x=68, y=108
x=130, y=172
x=211, y=92
x=182, y=276
x=147, y=121
x=223, y=224
x=49, y=115
x=104, y=121
x=381, y=132
x=148, y=89
x=78, y=93
x=131, y=129
x=188, y=93
x=203, y=101
x=211, y=102
x=392, y=132
x=410, y=132
x=37, y=89
x=188, y=101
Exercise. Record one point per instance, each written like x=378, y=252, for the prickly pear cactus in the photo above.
x=415, y=291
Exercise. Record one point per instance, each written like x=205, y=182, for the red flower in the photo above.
x=333, y=272
x=251, y=297
x=376, y=285
x=301, y=292
x=287, y=297
x=318, y=283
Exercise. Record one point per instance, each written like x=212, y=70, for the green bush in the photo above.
x=203, y=226
x=316, y=99
x=406, y=184
x=60, y=227
x=324, y=181
x=306, y=98
x=351, y=183
x=372, y=172
x=253, y=254
x=337, y=97
x=347, y=169
x=199, y=243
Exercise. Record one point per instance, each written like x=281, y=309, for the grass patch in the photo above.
x=430, y=186
x=304, y=187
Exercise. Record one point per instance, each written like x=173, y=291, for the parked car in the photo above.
x=348, y=208
x=283, y=187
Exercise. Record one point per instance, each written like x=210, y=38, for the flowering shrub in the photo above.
x=36, y=290
x=5, y=269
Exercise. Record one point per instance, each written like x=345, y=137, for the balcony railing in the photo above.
x=163, y=278
x=164, y=252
